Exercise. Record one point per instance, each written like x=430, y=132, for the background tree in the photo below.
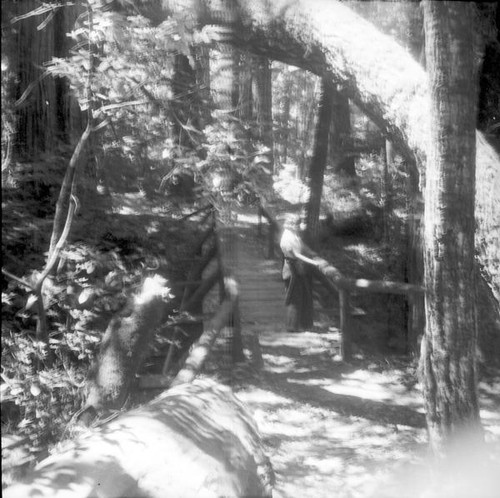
x=264, y=108
x=318, y=162
x=341, y=142
x=449, y=345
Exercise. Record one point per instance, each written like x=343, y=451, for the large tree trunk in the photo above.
x=448, y=353
x=195, y=440
x=318, y=163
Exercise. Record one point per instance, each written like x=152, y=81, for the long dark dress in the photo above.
x=297, y=279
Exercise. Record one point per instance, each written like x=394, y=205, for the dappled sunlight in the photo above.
x=358, y=430
x=279, y=364
x=320, y=453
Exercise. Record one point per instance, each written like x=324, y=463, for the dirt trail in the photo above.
x=331, y=428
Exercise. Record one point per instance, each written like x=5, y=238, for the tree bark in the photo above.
x=318, y=163
x=184, y=105
x=415, y=264
x=448, y=352
x=285, y=117
x=246, y=95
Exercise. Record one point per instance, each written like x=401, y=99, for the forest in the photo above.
x=250, y=248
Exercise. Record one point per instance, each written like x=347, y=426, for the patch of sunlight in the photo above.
x=369, y=254
x=325, y=465
x=124, y=210
x=378, y=387
x=300, y=341
x=489, y=415
x=278, y=364
x=247, y=218
x=153, y=227
x=491, y=433
x=314, y=350
x=490, y=389
x=314, y=382
x=372, y=392
x=261, y=396
x=284, y=429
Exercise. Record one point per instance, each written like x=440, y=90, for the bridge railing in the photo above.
x=335, y=282
x=207, y=251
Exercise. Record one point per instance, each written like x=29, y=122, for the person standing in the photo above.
x=297, y=277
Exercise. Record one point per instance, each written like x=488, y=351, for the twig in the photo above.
x=20, y=281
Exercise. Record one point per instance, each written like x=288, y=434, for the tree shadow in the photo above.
x=347, y=405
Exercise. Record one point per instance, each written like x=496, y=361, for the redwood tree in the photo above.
x=318, y=162
x=264, y=106
x=448, y=351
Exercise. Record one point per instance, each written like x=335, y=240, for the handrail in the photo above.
x=198, y=355
x=227, y=315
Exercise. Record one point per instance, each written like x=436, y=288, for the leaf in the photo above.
x=24, y=423
x=32, y=299
x=85, y=296
x=90, y=267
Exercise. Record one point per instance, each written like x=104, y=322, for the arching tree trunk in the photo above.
x=299, y=35
x=318, y=163
x=448, y=353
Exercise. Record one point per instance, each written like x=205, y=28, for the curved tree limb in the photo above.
x=378, y=75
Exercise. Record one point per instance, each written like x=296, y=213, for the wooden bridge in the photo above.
x=237, y=250
x=250, y=314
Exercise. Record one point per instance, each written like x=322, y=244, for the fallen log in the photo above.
x=195, y=440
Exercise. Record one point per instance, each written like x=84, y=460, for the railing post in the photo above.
x=345, y=325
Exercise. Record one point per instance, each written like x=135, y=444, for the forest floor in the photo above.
x=341, y=429
x=333, y=428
